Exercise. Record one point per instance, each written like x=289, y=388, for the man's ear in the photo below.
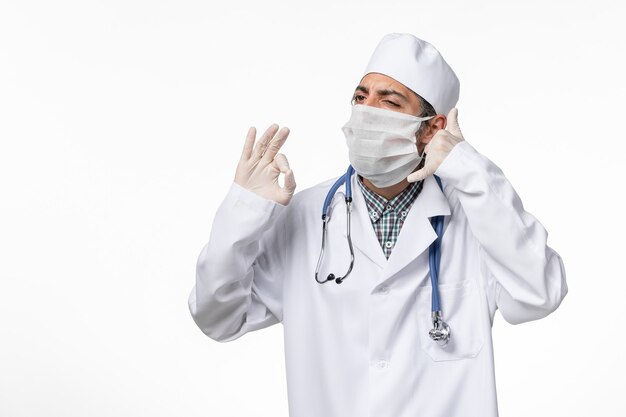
x=436, y=123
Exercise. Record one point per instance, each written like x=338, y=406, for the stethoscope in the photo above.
x=440, y=331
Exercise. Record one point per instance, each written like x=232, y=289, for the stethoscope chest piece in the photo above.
x=440, y=332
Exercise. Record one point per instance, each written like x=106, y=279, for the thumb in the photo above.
x=418, y=175
x=290, y=182
x=453, y=123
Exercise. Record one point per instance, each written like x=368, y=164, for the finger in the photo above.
x=290, y=182
x=420, y=174
x=248, y=145
x=416, y=176
x=276, y=144
x=453, y=123
x=281, y=163
x=261, y=146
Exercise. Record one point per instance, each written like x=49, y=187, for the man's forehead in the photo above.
x=381, y=81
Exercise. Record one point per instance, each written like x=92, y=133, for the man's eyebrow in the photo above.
x=386, y=92
x=392, y=93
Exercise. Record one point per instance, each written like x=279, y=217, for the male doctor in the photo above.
x=364, y=347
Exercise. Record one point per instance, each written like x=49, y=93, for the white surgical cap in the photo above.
x=419, y=66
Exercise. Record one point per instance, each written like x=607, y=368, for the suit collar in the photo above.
x=414, y=238
x=417, y=233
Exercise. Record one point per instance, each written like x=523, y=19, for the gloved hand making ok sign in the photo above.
x=439, y=147
x=261, y=164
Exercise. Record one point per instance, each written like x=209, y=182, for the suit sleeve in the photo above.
x=238, y=284
x=529, y=275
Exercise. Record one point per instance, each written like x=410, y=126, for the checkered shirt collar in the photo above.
x=377, y=205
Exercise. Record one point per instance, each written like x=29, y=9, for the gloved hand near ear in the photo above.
x=439, y=147
x=261, y=164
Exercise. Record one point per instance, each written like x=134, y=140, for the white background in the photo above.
x=121, y=123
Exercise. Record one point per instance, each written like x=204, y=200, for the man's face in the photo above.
x=378, y=90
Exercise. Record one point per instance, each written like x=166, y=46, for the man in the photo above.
x=372, y=346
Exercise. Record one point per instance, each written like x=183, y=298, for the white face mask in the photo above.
x=382, y=144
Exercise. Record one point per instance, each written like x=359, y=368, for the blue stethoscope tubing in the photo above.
x=344, y=179
x=434, y=255
x=441, y=330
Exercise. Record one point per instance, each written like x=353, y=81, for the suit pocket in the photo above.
x=460, y=308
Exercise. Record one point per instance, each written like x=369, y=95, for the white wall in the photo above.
x=121, y=123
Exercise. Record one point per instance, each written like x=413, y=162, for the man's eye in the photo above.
x=357, y=98
x=392, y=103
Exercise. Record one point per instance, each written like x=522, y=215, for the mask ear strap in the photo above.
x=422, y=119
